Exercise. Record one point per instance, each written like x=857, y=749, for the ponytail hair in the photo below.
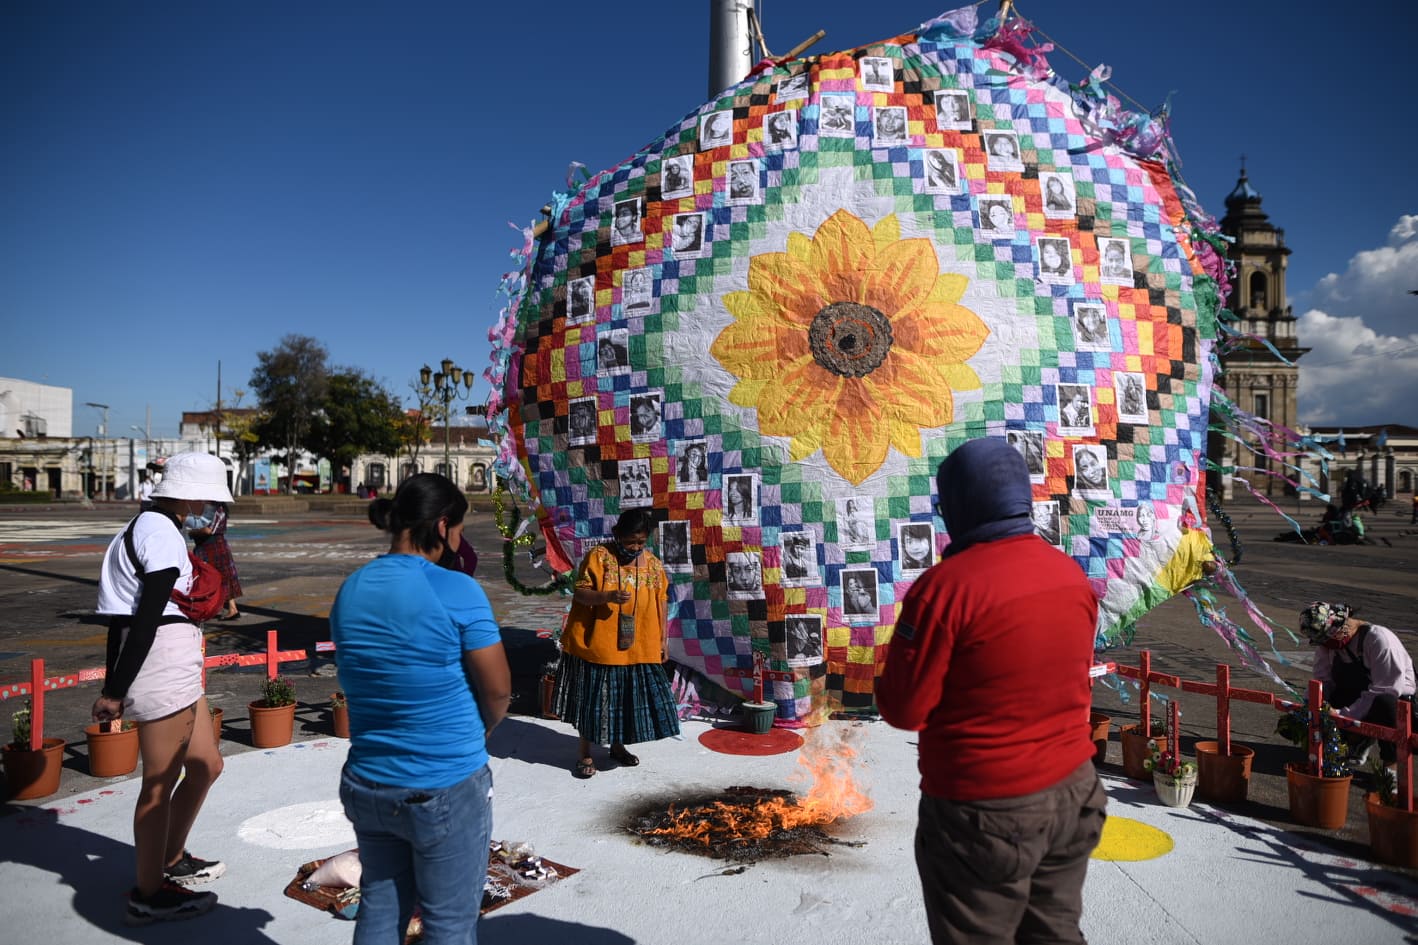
x=419, y=504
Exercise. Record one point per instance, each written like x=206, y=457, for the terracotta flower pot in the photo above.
x=1393, y=833
x=111, y=754
x=340, y=720
x=1099, y=725
x=758, y=717
x=271, y=728
x=1318, y=802
x=1137, y=748
x=1174, y=791
x=31, y=774
x=217, y=724
x=1224, y=779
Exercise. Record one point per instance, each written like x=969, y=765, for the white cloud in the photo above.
x=1376, y=285
x=1355, y=376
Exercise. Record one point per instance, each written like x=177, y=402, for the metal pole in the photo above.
x=448, y=393
x=730, y=49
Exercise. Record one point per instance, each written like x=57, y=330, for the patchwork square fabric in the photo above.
x=788, y=309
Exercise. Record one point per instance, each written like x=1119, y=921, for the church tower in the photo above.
x=1255, y=379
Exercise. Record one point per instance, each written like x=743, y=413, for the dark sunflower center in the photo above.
x=849, y=339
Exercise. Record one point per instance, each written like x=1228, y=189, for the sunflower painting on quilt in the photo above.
x=770, y=325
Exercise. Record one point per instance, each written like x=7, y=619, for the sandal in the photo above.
x=624, y=757
x=584, y=768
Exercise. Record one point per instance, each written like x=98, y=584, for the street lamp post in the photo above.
x=103, y=435
x=446, y=390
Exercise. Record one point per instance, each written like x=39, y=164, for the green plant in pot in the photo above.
x=1317, y=800
x=29, y=773
x=1393, y=827
x=1174, y=778
x=340, y=714
x=273, y=715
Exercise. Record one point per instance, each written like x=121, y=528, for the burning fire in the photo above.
x=750, y=816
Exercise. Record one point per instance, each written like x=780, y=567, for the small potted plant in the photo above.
x=547, y=688
x=1317, y=800
x=216, y=715
x=113, y=748
x=1393, y=825
x=758, y=714
x=1138, y=745
x=273, y=715
x=1174, y=779
x=340, y=714
x=31, y=772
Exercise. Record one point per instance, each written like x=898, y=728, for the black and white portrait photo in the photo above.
x=997, y=217
x=952, y=110
x=799, y=559
x=1114, y=261
x=638, y=291
x=793, y=87
x=1060, y=201
x=941, y=171
x=645, y=417
x=635, y=489
x=692, y=465
x=1045, y=516
x=859, y=595
x=878, y=74
x=1130, y=391
x=1075, y=409
x=1002, y=151
x=888, y=126
x=743, y=182
x=581, y=300
x=716, y=130
x=1145, y=521
x=581, y=421
x=687, y=235
x=837, y=116
x=917, y=543
x=674, y=546
x=740, y=496
x=1055, y=260
x=1090, y=326
x=1030, y=445
x=625, y=223
x=744, y=570
x=677, y=177
x=613, y=351
x=856, y=523
x=1090, y=471
x=780, y=131
x=804, y=639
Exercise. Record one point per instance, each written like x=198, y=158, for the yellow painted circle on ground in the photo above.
x=1130, y=840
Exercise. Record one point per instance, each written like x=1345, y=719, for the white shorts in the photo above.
x=171, y=677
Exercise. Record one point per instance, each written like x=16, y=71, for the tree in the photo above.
x=358, y=416
x=289, y=383
x=417, y=425
x=240, y=424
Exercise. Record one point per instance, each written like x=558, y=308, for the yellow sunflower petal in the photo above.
x=857, y=439
x=945, y=332
x=802, y=397
x=902, y=277
x=910, y=388
x=886, y=231
x=959, y=376
x=751, y=348
x=842, y=246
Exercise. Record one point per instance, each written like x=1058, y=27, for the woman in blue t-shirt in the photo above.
x=421, y=659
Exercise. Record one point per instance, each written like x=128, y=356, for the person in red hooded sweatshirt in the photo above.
x=989, y=662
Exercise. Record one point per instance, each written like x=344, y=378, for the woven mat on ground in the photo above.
x=511, y=886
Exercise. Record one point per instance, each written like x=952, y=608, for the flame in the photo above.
x=832, y=795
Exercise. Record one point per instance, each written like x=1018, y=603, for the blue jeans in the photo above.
x=424, y=848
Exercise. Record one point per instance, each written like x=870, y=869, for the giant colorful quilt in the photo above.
x=770, y=325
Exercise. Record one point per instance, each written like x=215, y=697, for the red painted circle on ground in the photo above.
x=736, y=741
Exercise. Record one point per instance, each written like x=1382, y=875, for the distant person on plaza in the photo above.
x=420, y=657
x=1363, y=666
x=208, y=531
x=981, y=664
x=145, y=494
x=154, y=678
x=611, y=685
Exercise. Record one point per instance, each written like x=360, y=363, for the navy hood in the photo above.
x=984, y=494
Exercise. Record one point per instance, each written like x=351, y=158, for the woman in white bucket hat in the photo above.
x=154, y=678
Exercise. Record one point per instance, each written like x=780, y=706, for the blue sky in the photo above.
x=185, y=183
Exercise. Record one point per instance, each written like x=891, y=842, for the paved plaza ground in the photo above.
x=63, y=859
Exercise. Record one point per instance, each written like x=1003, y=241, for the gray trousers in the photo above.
x=1010, y=870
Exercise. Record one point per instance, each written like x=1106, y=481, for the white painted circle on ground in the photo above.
x=305, y=826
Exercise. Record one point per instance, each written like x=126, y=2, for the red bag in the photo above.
x=207, y=595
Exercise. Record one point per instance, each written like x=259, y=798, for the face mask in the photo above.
x=625, y=556
x=449, y=558
x=203, y=519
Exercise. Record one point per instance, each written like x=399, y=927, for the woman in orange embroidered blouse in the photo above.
x=612, y=685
